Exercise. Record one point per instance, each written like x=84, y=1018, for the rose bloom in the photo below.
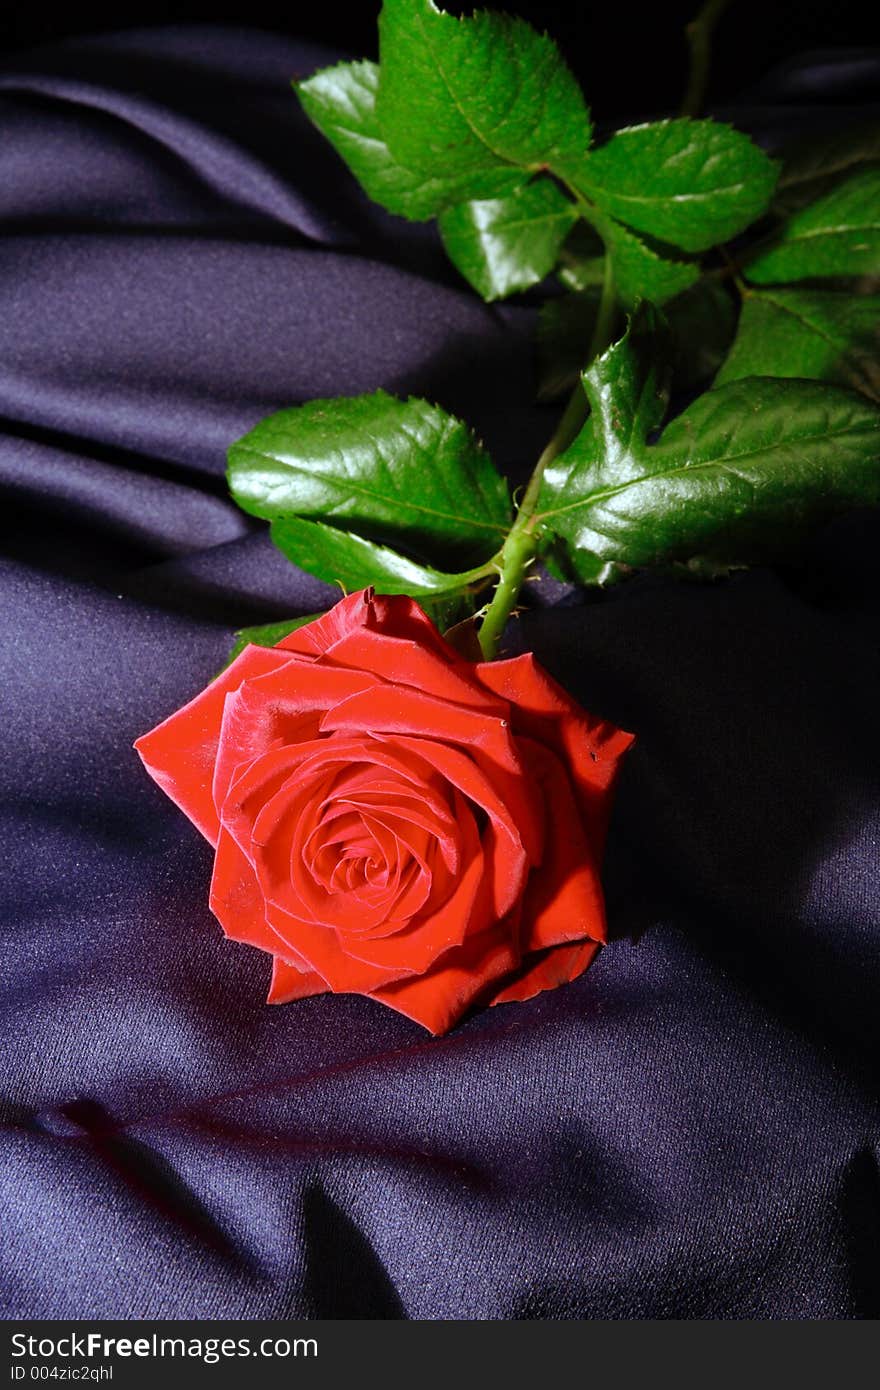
x=392, y=820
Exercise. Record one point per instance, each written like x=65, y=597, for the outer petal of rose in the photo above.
x=320, y=949
x=236, y=900
x=263, y=711
x=288, y=983
x=440, y=997
x=404, y=661
x=547, y=969
x=395, y=614
x=543, y=710
x=402, y=617
x=179, y=753
x=563, y=899
x=314, y=638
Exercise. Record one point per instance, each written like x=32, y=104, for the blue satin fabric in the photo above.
x=691, y=1129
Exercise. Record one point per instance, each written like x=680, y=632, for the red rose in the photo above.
x=393, y=820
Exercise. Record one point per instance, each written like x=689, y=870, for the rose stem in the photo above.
x=521, y=545
x=699, y=36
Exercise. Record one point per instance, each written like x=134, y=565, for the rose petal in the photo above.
x=446, y=877
x=278, y=840
x=443, y=925
x=406, y=861
x=400, y=661
x=338, y=858
x=545, y=970
x=289, y=983
x=543, y=710
x=262, y=714
x=350, y=613
x=487, y=740
x=237, y=903
x=507, y=861
x=256, y=785
x=402, y=812
x=439, y=998
x=399, y=616
x=563, y=898
x=406, y=809
x=320, y=949
x=391, y=614
x=323, y=756
x=179, y=753
x=362, y=908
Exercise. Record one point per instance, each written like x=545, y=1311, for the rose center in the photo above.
x=345, y=855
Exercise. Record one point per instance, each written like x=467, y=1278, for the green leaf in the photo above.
x=826, y=334
x=702, y=322
x=811, y=168
x=447, y=609
x=565, y=334
x=267, y=634
x=628, y=391
x=398, y=472
x=640, y=272
x=341, y=102
x=478, y=99
x=580, y=275
x=342, y=557
x=582, y=258
x=735, y=477
x=502, y=245
x=838, y=235
x=691, y=183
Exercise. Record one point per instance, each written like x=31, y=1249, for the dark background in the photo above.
x=629, y=57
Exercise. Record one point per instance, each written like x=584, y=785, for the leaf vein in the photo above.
x=689, y=468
